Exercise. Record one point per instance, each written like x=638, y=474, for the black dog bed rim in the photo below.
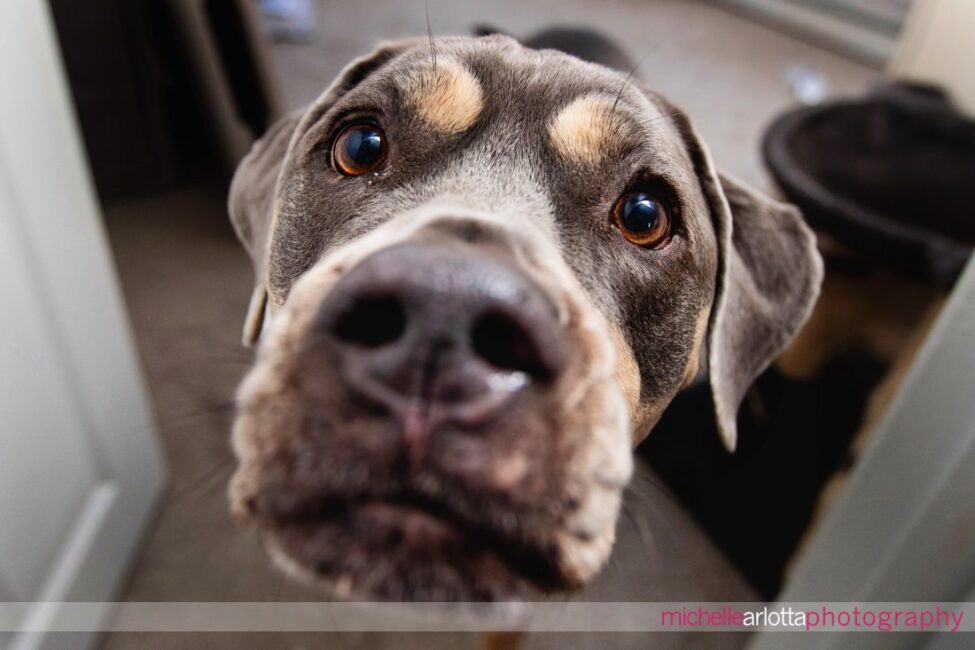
x=910, y=249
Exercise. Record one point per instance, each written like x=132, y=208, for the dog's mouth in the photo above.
x=412, y=548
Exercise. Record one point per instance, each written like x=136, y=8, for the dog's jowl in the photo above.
x=481, y=273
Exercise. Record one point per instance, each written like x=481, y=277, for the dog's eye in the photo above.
x=360, y=148
x=642, y=219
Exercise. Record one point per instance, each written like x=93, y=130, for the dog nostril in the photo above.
x=371, y=321
x=505, y=344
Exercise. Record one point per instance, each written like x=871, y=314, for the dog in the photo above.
x=482, y=271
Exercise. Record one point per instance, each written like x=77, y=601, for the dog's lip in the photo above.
x=532, y=562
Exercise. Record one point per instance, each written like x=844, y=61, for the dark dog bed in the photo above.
x=891, y=175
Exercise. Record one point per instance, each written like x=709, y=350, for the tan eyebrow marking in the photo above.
x=587, y=129
x=447, y=97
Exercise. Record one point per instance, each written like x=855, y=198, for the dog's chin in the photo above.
x=402, y=550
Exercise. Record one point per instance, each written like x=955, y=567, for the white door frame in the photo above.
x=50, y=216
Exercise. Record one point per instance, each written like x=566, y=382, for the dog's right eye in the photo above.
x=359, y=149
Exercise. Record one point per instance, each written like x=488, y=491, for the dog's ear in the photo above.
x=769, y=273
x=251, y=207
x=254, y=189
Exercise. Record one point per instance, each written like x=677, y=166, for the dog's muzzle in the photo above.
x=432, y=421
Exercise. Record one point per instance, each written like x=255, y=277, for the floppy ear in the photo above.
x=251, y=206
x=254, y=188
x=769, y=273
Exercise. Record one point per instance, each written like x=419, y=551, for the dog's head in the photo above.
x=486, y=272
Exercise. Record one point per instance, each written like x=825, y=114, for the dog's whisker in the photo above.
x=206, y=488
x=614, y=566
x=629, y=76
x=658, y=485
x=645, y=535
x=663, y=116
x=169, y=425
x=433, y=49
x=207, y=479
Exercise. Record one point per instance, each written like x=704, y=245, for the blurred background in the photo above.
x=121, y=125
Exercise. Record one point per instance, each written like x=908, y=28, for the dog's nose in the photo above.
x=442, y=331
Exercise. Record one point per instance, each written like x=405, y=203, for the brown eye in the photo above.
x=360, y=148
x=642, y=219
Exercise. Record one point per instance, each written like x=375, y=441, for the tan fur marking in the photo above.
x=587, y=129
x=627, y=371
x=694, y=363
x=628, y=375
x=447, y=97
x=644, y=415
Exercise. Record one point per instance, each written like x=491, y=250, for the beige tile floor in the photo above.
x=186, y=280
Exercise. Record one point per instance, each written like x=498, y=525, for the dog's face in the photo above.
x=487, y=272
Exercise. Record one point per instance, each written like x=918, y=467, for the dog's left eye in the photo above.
x=360, y=148
x=642, y=219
